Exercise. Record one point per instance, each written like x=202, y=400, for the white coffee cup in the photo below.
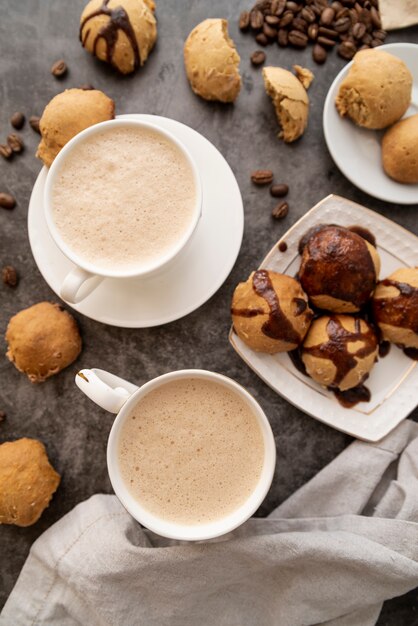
x=85, y=277
x=119, y=396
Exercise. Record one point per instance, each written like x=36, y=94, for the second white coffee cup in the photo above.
x=119, y=396
x=86, y=275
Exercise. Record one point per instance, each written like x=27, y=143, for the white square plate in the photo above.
x=393, y=381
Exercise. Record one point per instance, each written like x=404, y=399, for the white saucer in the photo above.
x=356, y=151
x=194, y=275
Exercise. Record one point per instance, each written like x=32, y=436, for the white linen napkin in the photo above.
x=331, y=554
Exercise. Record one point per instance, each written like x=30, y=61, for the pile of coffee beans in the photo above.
x=348, y=25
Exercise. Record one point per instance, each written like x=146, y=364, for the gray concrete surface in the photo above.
x=34, y=34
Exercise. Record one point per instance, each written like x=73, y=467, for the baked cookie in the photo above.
x=67, y=114
x=212, y=62
x=339, y=351
x=27, y=481
x=290, y=101
x=304, y=75
x=270, y=312
x=400, y=150
x=121, y=32
x=376, y=91
x=395, y=307
x=42, y=340
x=339, y=269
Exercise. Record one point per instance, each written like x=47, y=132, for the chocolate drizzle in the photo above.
x=118, y=20
x=336, y=348
x=247, y=312
x=350, y=397
x=301, y=306
x=277, y=326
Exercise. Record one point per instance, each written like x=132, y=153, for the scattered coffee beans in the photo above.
x=280, y=211
x=7, y=201
x=279, y=190
x=258, y=57
x=6, y=151
x=15, y=142
x=9, y=276
x=348, y=25
x=34, y=123
x=59, y=69
x=17, y=120
x=262, y=177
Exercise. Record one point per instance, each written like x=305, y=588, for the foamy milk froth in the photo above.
x=123, y=198
x=191, y=451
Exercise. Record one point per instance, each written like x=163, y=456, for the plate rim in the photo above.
x=377, y=432
x=328, y=104
x=102, y=318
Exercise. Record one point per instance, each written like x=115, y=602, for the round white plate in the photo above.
x=194, y=275
x=356, y=151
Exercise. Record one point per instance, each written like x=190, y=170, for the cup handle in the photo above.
x=74, y=281
x=105, y=389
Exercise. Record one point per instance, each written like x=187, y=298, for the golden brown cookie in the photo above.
x=212, y=62
x=121, y=32
x=400, y=150
x=290, y=101
x=376, y=91
x=67, y=114
x=304, y=75
x=339, y=269
x=270, y=312
x=339, y=351
x=27, y=481
x=395, y=307
x=42, y=340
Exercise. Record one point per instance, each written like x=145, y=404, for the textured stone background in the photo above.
x=35, y=33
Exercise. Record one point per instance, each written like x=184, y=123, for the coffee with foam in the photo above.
x=191, y=451
x=123, y=198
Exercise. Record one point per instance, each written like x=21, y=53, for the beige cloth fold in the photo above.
x=331, y=554
x=398, y=13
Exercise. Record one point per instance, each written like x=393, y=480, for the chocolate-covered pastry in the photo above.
x=395, y=307
x=270, y=312
x=339, y=351
x=42, y=340
x=27, y=481
x=339, y=269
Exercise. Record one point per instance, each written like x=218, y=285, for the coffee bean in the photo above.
x=262, y=177
x=364, y=47
x=367, y=39
x=279, y=190
x=59, y=68
x=313, y=30
x=379, y=34
x=9, y=276
x=282, y=246
x=337, y=6
x=7, y=201
x=244, y=21
x=15, y=142
x=86, y=87
x=308, y=14
x=17, y=120
x=269, y=31
x=375, y=43
x=261, y=39
x=353, y=16
x=300, y=24
x=293, y=6
x=287, y=19
x=280, y=210
x=283, y=37
x=327, y=32
x=359, y=30
x=5, y=151
x=34, y=123
x=258, y=57
x=346, y=50
x=272, y=20
x=256, y=19
x=327, y=16
x=343, y=13
x=298, y=39
x=342, y=24
x=326, y=42
x=319, y=54
x=278, y=7
x=3, y=416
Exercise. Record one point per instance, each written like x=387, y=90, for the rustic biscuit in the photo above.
x=290, y=101
x=400, y=150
